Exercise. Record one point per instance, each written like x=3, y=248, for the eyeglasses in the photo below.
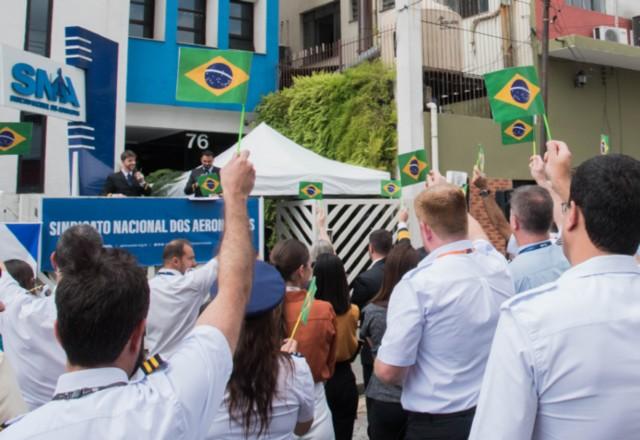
x=565, y=206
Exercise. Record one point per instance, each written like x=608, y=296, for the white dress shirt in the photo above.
x=29, y=341
x=293, y=403
x=178, y=402
x=175, y=302
x=440, y=322
x=565, y=362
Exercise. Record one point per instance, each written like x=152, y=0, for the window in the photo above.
x=593, y=5
x=467, y=8
x=388, y=4
x=240, y=25
x=191, y=21
x=355, y=6
x=31, y=165
x=141, y=16
x=38, y=30
x=321, y=25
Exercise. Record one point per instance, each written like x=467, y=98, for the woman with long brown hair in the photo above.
x=341, y=390
x=270, y=392
x=385, y=415
x=317, y=338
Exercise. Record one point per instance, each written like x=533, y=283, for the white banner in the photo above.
x=37, y=84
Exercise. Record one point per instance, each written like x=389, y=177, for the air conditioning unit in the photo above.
x=613, y=34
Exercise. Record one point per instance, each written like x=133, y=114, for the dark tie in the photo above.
x=130, y=179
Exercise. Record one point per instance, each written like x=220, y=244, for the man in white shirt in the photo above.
x=441, y=318
x=27, y=323
x=101, y=324
x=177, y=293
x=564, y=362
x=539, y=260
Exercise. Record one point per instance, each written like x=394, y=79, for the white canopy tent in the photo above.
x=281, y=165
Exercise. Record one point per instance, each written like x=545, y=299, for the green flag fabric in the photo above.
x=15, y=137
x=217, y=76
x=390, y=189
x=514, y=93
x=518, y=131
x=209, y=184
x=308, y=301
x=310, y=190
x=605, y=146
x=413, y=167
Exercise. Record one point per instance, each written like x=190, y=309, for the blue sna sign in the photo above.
x=37, y=84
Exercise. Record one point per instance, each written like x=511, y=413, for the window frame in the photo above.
x=23, y=187
x=148, y=20
x=246, y=41
x=201, y=34
x=385, y=5
x=27, y=27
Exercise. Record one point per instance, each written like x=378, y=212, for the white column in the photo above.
x=75, y=174
x=409, y=94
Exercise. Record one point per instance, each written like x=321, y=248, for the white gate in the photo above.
x=349, y=223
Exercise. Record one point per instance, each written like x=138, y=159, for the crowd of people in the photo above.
x=456, y=340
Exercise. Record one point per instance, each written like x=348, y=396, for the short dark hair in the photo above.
x=127, y=153
x=332, y=283
x=533, y=206
x=288, y=255
x=175, y=248
x=99, y=308
x=607, y=190
x=22, y=272
x=207, y=153
x=381, y=241
x=78, y=248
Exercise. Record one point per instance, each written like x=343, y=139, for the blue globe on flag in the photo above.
x=218, y=76
x=520, y=91
x=311, y=191
x=518, y=129
x=6, y=138
x=414, y=167
x=391, y=187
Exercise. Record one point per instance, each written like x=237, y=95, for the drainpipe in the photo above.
x=433, y=109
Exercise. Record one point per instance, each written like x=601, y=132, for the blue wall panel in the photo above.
x=153, y=65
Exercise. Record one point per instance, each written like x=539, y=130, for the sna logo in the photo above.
x=37, y=82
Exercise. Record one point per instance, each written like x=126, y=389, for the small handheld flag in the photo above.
x=605, y=147
x=209, y=184
x=15, y=137
x=306, y=306
x=480, y=159
x=217, y=76
x=310, y=190
x=514, y=93
x=517, y=131
x=413, y=167
x=390, y=189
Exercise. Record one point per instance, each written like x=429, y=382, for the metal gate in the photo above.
x=349, y=223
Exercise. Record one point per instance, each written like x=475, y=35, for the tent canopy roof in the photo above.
x=281, y=165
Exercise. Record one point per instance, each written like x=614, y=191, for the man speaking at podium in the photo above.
x=128, y=182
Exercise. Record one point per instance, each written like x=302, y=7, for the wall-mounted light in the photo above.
x=580, y=79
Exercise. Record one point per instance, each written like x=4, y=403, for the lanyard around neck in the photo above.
x=460, y=252
x=76, y=394
x=534, y=247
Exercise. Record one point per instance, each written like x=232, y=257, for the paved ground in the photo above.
x=360, y=427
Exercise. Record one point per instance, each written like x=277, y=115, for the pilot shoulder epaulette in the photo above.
x=154, y=363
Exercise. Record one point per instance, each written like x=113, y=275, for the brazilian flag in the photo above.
x=390, y=189
x=413, y=167
x=217, y=76
x=209, y=184
x=605, y=146
x=518, y=131
x=310, y=190
x=15, y=137
x=514, y=93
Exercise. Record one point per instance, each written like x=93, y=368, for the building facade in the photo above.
x=147, y=34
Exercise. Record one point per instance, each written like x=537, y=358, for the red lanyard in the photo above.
x=460, y=252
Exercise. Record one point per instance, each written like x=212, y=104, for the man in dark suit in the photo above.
x=206, y=167
x=128, y=182
x=367, y=284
